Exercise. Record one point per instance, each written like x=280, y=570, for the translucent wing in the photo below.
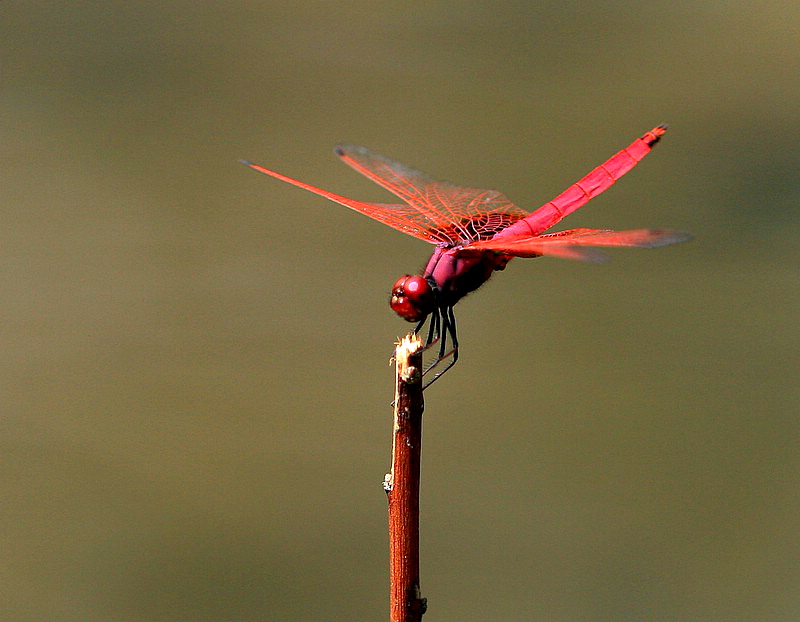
x=452, y=214
x=571, y=244
x=404, y=218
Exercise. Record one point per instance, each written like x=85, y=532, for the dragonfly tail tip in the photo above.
x=654, y=135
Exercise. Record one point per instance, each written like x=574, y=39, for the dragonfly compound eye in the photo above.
x=412, y=298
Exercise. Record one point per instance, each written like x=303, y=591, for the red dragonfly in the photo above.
x=479, y=231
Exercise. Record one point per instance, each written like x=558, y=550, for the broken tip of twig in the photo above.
x=408, y=361
x=407, y=346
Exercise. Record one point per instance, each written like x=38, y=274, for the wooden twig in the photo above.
x=402, y=484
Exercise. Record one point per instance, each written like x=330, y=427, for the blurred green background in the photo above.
x=195, y=413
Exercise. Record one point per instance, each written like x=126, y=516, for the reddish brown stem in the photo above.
x=402, y=485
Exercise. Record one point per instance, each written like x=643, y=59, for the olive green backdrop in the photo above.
x=195, y=417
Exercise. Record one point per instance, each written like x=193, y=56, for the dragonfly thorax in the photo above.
x=413, y=297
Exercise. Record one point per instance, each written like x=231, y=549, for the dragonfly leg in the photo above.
x=433, y=329
x=448, y=327
x=453, y=333
x=444, y=333
x=437, y=332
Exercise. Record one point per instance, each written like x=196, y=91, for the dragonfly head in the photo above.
x=412, y=298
